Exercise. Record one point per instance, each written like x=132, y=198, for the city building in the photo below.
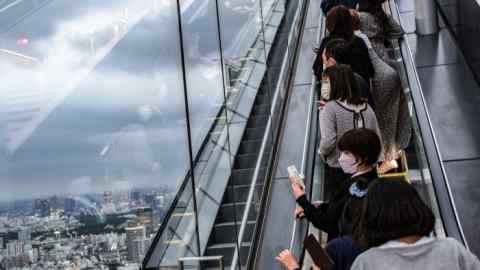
x=135, y=240
x=24, y=235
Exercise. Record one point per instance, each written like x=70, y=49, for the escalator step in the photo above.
x=254, y=133
x=226, y=213
x=245, y=161
x=257, y=121
x=243, y=176
x=225, y=233
x=227, y=251
x=240, y=193
x=262, y=99
x=249, y=147
x=261, y=110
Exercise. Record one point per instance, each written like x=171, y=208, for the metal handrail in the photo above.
x=407, y=57
x=320, y=31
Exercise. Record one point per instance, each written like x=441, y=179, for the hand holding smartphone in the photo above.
x=295, y=177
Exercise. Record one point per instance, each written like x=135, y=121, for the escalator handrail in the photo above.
x=307, y=145
x=442, y=187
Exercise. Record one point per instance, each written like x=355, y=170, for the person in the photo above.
x=391, y=106
x=396, y=227
x=339, y=25
x=327, y=5
x=290, y=262
x=342, y=250
x=378, y=26
x=346, y=110
x=360, y=149
x=337, y=51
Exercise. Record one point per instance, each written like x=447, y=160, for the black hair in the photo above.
x=338, y=49
x=339, y=23
x=344, y=86
x=393, y=209
x=363, y=143
x=375, y=8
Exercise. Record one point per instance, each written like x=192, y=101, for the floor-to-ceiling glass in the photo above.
x=94, y=138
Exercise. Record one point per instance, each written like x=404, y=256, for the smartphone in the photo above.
x=318, y=254
x=295, y=176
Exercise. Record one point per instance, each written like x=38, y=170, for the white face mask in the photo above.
x=326, y=89
x=348, y=163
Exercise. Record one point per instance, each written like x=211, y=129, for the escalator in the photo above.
x=222, y=241
x=228, y=211
x=252, y=223
x=425, y=170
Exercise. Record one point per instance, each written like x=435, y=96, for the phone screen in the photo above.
x=318, y=254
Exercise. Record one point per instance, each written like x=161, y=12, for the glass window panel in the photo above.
x=93, y=127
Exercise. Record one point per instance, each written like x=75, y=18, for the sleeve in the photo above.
x=318, y=63
x=317, y=216
x=367, y=62
x=394, y=30
x=375, y=127
x=328, y=130
x=467, y=260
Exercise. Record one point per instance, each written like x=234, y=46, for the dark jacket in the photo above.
x=326, y=5
x=343, y=251
x=359, y=59
x=326, y=217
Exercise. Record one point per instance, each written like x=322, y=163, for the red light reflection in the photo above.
x=23, y=41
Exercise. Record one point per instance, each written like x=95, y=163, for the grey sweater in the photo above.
x=336, y=118
x=429, y=253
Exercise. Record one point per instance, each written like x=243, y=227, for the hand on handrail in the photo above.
x=299, y=213
x=288, y=260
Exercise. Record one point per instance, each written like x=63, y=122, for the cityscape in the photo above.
x=112, y=230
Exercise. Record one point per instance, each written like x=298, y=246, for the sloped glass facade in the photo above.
x=108, y=109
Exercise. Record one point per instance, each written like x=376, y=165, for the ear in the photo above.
x=359, y=160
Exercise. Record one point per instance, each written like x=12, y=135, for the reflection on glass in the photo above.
x=93, y=126
x=93, y=130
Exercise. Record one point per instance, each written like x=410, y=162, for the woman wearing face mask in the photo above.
x=360, y=150
x=346, y=110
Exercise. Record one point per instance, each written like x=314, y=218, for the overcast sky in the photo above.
x=143, y=70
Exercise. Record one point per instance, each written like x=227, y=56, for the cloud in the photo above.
x=63, y=154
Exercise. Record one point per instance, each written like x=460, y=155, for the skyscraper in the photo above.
x=69, y=204
x=14, y=248
x=135, y=232
x=24, y=235
x=136, y=195
x=108, y=206
x=42, y=206
x=145, y=217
